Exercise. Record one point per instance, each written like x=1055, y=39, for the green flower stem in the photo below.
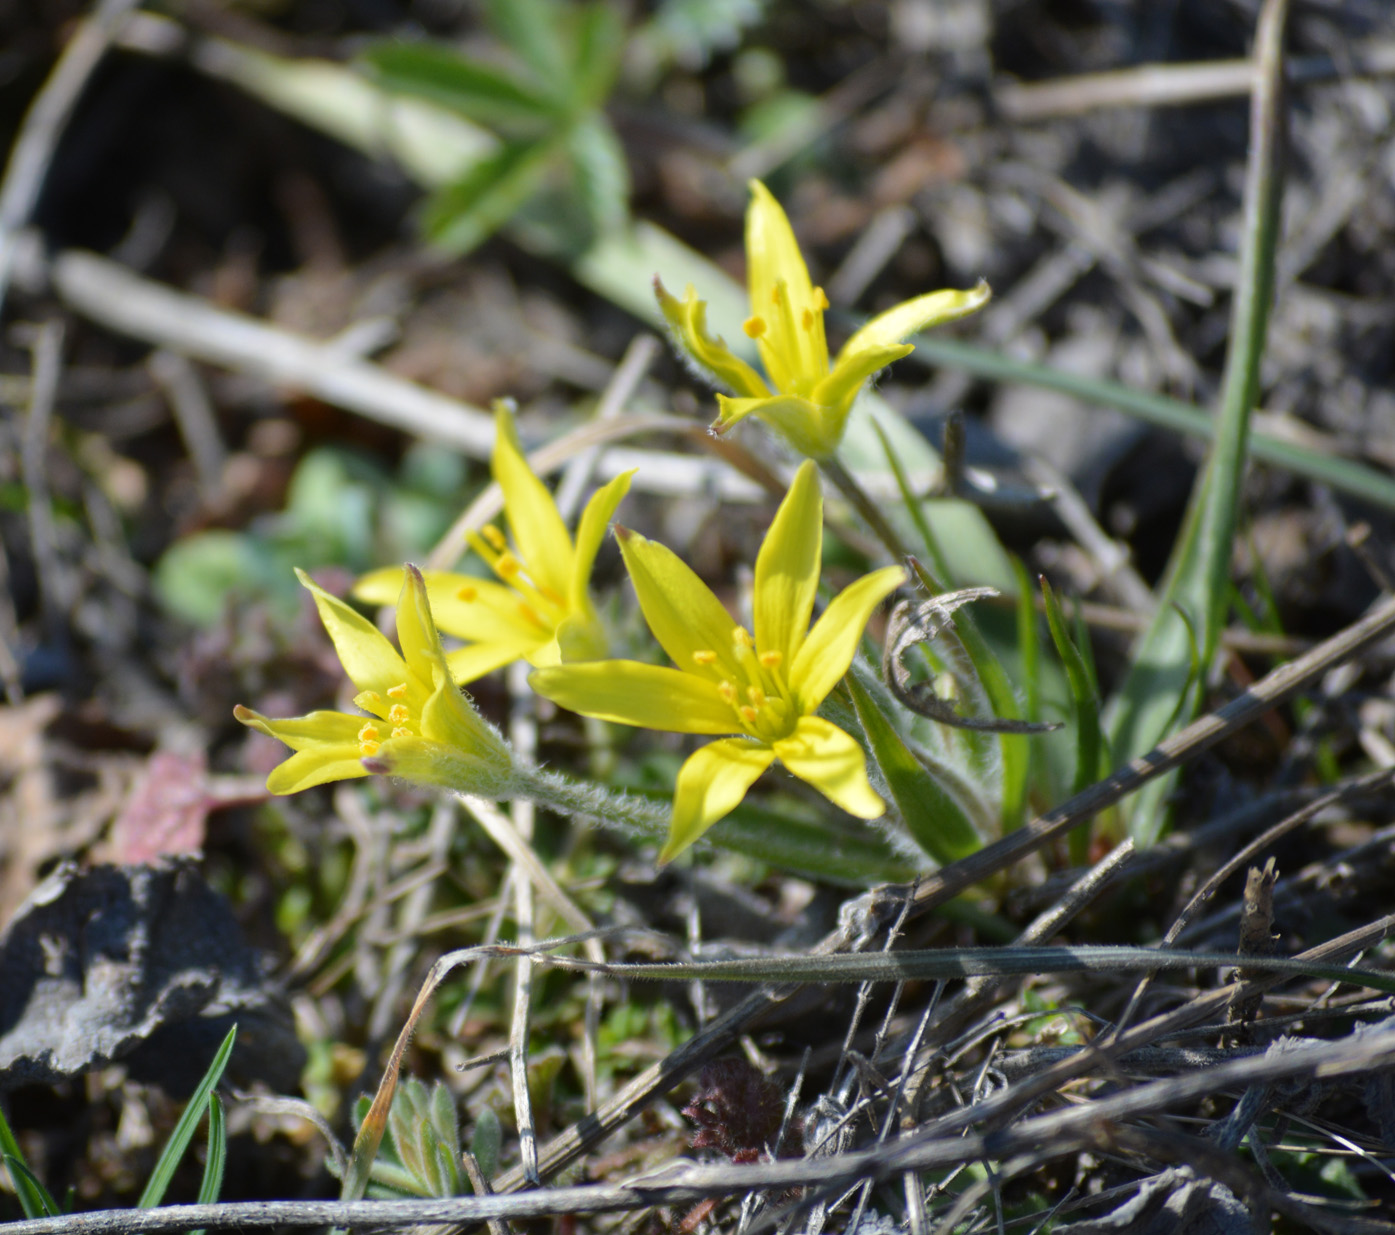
x=856, y=496
x=625, y=812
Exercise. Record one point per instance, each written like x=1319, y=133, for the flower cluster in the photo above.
x=759, y=692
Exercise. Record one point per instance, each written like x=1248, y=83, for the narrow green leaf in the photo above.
x=186, y=1127
x=462, y=215
x=1029, y=657
x=365, y=1152
x=468, y=87
x=34, y=1198
x=1089, y=741
x=1088, y=738
x=1160, y=683
x=935, y=818
x=914, y=507
x=1350, y=476
x=216, y=1161
x=849, y=856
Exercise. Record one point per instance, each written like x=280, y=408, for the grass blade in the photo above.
x=1089, y=739
x=186, y=1127
x=217, y=1158
x=34, y=1198
x=1160, y=684
x=1089, y=766
x=1350, y=476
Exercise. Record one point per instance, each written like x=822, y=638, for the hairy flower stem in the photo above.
x=624, y=812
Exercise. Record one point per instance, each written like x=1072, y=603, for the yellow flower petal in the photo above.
x=590, y=534
x=731, y=411
x=829, y=759
x=679, y=607
x=579, y=637
x=476, y=659
x=803, y=424
x=326, y=745
x=840, y=389
x=911, y=316
x=304, y=732
x=416, y=632
x=482, y=611
x=688, y=321
x=773, y=259
x=384, y=586
x=369, y=659
x=829, y=649
x=308, y=768
x=450, y=720
x=537, y=527
x=711, y=784
x=787, y=567
x=631, y=693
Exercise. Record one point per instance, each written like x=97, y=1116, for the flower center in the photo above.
x=757, y=698
x=394, y=710
x=538, y=606
x=792, y=344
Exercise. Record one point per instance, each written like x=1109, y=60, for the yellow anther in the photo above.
x=748, y=715
x=507, y=566
x=806, y=319
x=400, y=732
x=399, y=714
x=741, y=637
x=754, y=327
x=467, y=594
x=820, y=300
x=495, y=537
x=369, y=749
x=398, y=692
x=369, y=700
x=727, y=691
x=770, y=660
x=369, y=733
x=703, y=656
x=756, y=696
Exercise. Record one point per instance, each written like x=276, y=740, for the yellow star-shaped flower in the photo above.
x=806, y=400
x=766, y=689
x=540, y=609
x=420, y=726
